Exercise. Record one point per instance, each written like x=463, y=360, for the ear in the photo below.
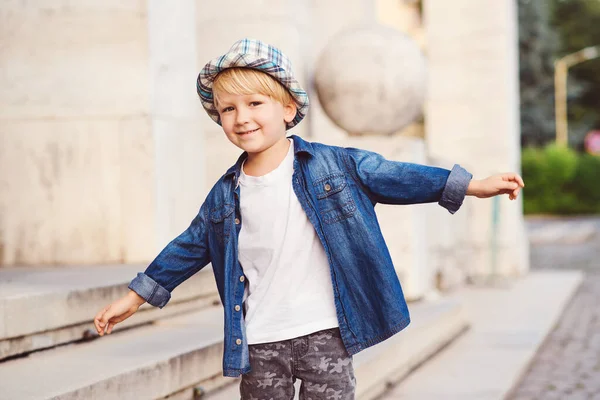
x=289, y=112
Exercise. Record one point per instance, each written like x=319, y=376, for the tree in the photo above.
x=537, y=48
x=577, y=25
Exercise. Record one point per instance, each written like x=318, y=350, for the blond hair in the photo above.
x=240, y=81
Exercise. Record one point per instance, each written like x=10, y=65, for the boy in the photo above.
x=303, y=272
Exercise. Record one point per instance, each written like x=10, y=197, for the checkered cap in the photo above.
x=251, y=53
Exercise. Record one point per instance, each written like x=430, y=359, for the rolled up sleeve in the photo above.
x=150, y=290
x=456, y=189
x=187, y=254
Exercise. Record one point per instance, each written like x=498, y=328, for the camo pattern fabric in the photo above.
x=319, y=360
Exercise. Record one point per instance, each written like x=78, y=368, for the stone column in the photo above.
x=373, y=98
x=100, y=148
x=179, y=163
x=402, y=15
x=328, y=18
x=473, y=119
x=75, y=150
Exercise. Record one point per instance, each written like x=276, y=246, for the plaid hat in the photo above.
x=251, y=53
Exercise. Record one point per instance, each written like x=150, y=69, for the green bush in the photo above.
x=560, y=181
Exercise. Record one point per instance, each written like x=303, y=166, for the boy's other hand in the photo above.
x=117, y=312
x=508, y=183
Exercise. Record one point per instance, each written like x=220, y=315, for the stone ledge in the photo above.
x=179, y=355
x=42, y=307
x=433, y=326
x=145, y=363
x=85, y=331
x=508, y=326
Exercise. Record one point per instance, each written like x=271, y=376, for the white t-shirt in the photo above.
x=289, y=292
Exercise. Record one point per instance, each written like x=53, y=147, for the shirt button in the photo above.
x=238, y=341
x=237, y=221
x=327, y=187
x=237, y=308
x=242, y=279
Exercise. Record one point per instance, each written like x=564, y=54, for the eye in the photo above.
x=256, y=103
x=227, y=109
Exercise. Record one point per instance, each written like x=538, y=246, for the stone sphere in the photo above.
x=371, y=80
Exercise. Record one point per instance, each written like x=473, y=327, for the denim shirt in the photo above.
x=338, y=189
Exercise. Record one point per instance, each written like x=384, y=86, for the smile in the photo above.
x=248, y=132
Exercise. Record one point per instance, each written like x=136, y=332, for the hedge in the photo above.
x=559, y=180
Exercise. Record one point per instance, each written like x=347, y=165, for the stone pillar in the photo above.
x=75, y=150
x=322, y=28
x=404, y=16
x=473, y=119
x=179, y=164
x=100, y=149
x=373, y=99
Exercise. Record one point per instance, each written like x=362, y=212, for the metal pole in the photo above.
x=561, y=68
x=560, y=96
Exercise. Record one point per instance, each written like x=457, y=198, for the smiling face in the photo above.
x=253, y=122
x=254, y=110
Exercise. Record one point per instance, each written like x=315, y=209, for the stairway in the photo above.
x=49, y=348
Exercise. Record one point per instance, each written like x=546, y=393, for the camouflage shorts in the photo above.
x=319, y=360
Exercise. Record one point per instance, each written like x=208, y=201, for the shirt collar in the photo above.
x=300, y=146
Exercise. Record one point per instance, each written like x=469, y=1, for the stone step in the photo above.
x=434, y=325
x=508, y=325
x=41, y=307
x=180, y=357
x=172, y=355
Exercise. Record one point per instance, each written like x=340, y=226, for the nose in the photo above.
x=242, y=116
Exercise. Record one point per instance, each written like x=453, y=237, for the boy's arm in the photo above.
x=395, y=182
x=187, y=254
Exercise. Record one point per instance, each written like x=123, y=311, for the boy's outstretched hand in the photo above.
x=116, y=312
x=508, y=183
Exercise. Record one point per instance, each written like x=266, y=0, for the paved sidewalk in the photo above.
x=574, y=244
x=567, y=366
x=508, y=324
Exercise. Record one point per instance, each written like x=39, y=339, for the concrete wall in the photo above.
x=473, y=117
x=92, y=115
x=175, y=111
x=65, y=139
x=106, y=153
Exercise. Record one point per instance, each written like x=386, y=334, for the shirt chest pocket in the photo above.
x=334, y=198
x=220, y=218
